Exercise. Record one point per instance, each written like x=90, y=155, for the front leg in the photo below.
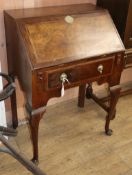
x=35, y=117
x=114, y=96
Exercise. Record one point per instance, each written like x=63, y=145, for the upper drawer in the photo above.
x=80, y=73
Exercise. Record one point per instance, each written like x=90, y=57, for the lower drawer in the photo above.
x=79, y=72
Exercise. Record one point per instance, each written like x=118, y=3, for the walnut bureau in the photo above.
x=53, y=48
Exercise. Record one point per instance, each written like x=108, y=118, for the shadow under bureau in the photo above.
x=51, y=49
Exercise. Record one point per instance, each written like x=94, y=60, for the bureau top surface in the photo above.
x=62, y=36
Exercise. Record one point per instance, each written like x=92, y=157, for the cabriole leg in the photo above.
x=35, y=117
x=114, y=96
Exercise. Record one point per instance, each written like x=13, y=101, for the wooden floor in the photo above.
x=72, y=142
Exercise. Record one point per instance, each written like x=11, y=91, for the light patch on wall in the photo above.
x=2, y=106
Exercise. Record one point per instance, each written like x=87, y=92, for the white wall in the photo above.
x=2, y=106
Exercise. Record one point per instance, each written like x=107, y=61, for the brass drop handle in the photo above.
x=100, y=68
x=63, y=79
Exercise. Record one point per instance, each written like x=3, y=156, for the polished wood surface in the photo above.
x=36, y=55
x=54, y=40
x=81, y=72
x=52, y=10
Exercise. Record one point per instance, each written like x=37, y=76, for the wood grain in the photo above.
x=75, y=41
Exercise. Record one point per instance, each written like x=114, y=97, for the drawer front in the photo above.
x=80, y=72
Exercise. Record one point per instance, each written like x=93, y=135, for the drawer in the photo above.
x=80, y=72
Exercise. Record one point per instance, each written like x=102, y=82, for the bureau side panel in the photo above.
x=18, y=64
x=11, y=46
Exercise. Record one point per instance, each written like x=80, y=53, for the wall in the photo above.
x=15, y=4
x=2, y=107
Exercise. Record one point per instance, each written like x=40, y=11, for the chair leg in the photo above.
x=9, y=149
x=14, y=110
